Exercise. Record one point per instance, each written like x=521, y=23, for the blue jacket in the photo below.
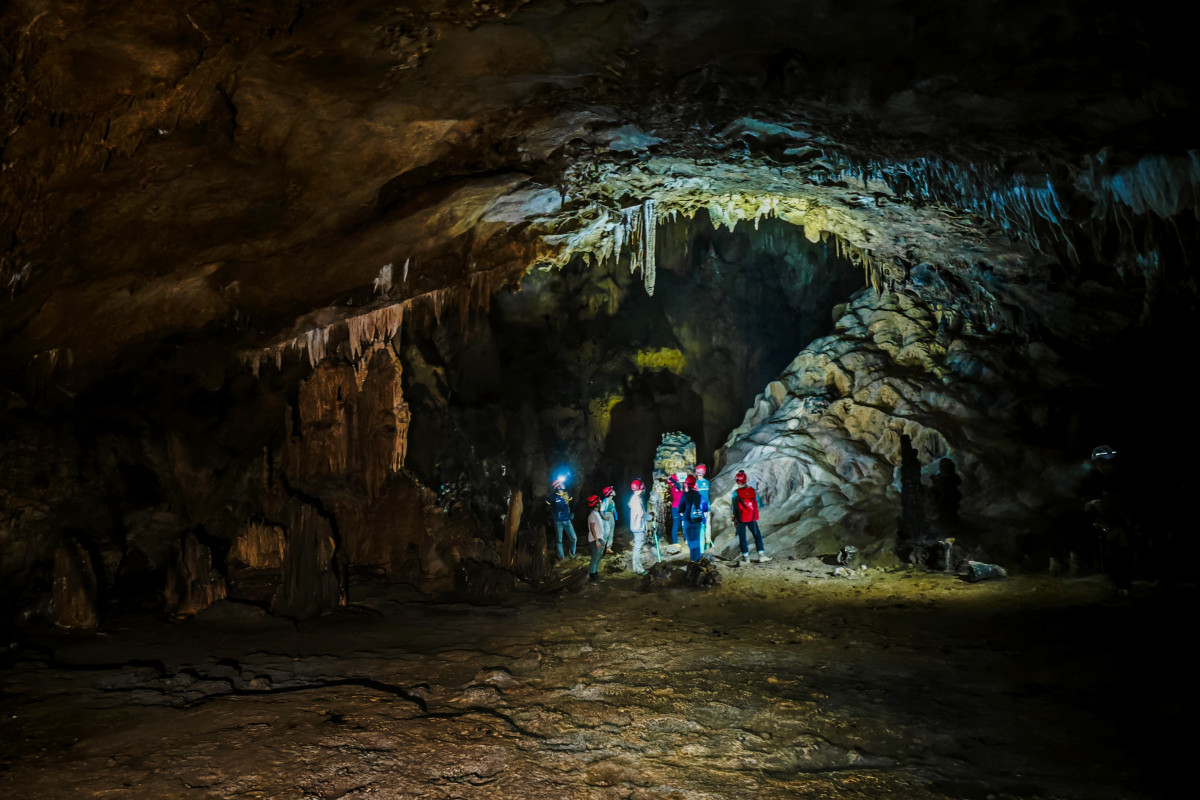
x=702, y=488
x=689, y=500
x=560, y=506
x=608, y=510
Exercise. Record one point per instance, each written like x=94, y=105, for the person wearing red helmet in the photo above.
x=595, y=538
x=692, y=508
x=608, y=511
x=745, y=515
x=676, y=484
x=637, y=523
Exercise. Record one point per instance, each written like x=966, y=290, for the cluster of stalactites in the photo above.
x=874, y=269
x=368, y=331
x=635, y=232
x=638, y=231
x=364, y=332
x=1033, y=207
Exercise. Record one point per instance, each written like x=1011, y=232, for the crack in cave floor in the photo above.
x=781, y=682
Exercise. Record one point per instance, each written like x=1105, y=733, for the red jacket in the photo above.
x=745, y=504
x=676, y=491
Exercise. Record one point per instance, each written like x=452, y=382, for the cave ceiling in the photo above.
x=244, y=175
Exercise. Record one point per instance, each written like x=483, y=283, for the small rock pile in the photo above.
x=703, y=574
x=656, y=577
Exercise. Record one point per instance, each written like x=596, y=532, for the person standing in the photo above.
x=692, y=508
x=702, y=487
x=745, y=515
x=595, y=538
x=675, y=484
x=560, y=517
x=608, y=511
x=637, y=523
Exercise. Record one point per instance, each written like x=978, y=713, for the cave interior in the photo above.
x=308, y=302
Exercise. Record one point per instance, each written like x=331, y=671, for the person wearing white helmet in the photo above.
x=745, y=515
x=637, y=523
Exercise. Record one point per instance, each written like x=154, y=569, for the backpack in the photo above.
x=695, y=513
x=747, y=507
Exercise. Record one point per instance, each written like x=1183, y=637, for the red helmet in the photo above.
x=691, y=480
x=740, y=478
x=637, y=485
x=593, y=501
x=701, y=470
x=608, y=491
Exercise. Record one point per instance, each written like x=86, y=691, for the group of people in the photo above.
x=690, y=519
x=602, y=522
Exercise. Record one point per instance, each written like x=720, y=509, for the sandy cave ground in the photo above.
x=784, y=681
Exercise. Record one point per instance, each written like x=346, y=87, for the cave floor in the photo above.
x=782, y=682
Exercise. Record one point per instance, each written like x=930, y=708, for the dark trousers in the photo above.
x=741, y=532
x=691, y=532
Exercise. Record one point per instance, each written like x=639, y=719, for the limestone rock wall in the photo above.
x=349, y=423
x=822, y=441
x=273, y=496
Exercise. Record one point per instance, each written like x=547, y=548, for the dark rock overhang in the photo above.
x=220, y=175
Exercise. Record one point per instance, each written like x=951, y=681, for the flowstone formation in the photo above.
x=824, y=440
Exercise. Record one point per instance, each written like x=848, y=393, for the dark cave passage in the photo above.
x=583, y=369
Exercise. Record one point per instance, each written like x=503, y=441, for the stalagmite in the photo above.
x=512, y=522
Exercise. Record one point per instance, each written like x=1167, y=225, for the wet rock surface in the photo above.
x=782, y=682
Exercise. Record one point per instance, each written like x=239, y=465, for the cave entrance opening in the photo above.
x=584, y=368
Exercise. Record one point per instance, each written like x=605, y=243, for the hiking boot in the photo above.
x=763, y=558
x=594, y=577
x=745, y=558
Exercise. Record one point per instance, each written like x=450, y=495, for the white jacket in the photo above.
x=637, y=512
x=595, y=526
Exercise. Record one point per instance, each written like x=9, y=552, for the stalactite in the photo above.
x=315, y=344
x=632, y=222
x=379, y=325
x=650, y=236
x=366, y=332
x=620, y=235
x=383, y=283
